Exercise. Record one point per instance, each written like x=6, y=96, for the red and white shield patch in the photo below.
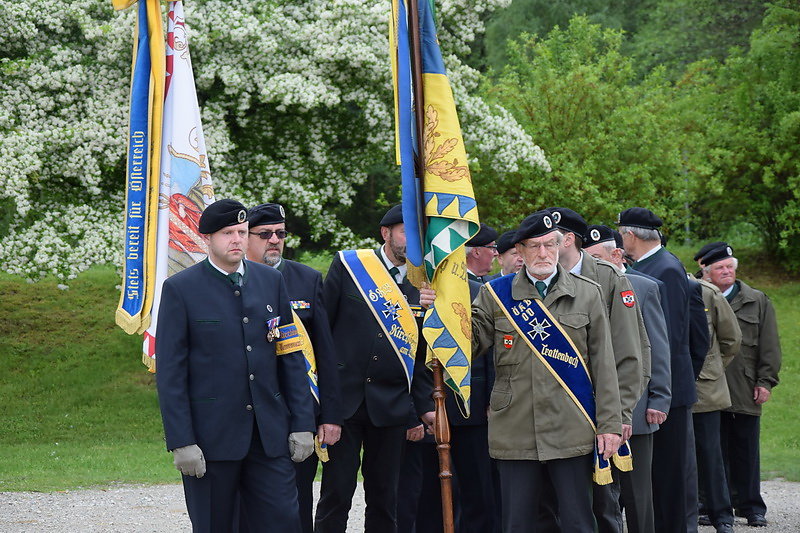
x=628, y=298
x=508, y=341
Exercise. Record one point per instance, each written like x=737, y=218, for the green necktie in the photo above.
x=541, y=286
x=394, y=271
x=235, y=278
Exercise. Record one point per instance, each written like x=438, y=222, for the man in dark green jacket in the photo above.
x=751, y=377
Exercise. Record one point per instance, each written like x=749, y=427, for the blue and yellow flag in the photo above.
x=449, y=202
x=144, y=154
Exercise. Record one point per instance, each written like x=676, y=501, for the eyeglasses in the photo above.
x=267, y=234
x=549, y=245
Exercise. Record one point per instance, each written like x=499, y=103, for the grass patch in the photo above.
x=80, y=410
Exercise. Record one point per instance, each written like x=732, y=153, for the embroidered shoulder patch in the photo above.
x=628, y=298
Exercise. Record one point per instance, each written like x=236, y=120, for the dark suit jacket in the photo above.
x=668, y=268
x=218, y=374
x=699, y=338
x=482, y=379
x=657, y=393
x=369, y=369
x=304, y=285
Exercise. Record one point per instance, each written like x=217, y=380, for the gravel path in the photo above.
x=160, y=508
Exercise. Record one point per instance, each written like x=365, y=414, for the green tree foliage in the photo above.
x=742, y=122
x=610, y=139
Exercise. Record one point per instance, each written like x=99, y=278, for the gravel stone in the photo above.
x=161, y=508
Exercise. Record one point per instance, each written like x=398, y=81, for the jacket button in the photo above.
x=249, y=407
x=245, y=320
x=380, y=335
x=252, y=377
x=236, y=293
x=374, y=357
x=369, y=380
x=249, y=348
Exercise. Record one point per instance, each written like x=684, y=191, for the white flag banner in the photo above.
x=185, y=183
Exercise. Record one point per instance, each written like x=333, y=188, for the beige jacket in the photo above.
x=725, y=338
x=530, y=416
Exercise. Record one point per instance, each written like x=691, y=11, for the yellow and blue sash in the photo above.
x=553, y=347
x=387, y=303
x=308, y=353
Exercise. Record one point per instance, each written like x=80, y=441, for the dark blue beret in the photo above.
x=596, y=234
x=707, y=248
x=505, y=242
x=393, y=216
x=266, y=214
x=221, y=214
x=484, y=236
x=639, y=217
x=535, y=225
x=569, y=220
x=717, y=254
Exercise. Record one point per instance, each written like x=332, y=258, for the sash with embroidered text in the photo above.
x=387, y=303
x=554, y=348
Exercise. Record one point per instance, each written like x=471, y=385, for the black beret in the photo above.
x=393, y=216
x=484, y=236
x=505, y=242
x=266, y=214
x=535, y=225
x=639, y=217
x=617, y=238
x=717, y=254
x=597, y=234
x=707, y=248
x=221, y=214
x=569, y=220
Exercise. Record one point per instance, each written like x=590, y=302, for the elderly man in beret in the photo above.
x=304, y=286
x=651, y=410
x=481, y=251
x=555, y=402
x=231, y=382
x=751, y=376
x=673, y=442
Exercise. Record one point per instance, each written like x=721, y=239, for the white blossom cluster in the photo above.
x=296, y=105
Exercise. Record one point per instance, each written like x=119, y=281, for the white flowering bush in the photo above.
x=296, y=104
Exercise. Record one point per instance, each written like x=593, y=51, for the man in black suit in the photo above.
x=642, y=242
x=304, y=285
x=378, y=405
x=231, y=382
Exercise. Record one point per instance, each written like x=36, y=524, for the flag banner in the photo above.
x=141, y=193
x=185, y=187
x=449, y=201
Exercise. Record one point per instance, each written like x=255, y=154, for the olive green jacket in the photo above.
x=725, y=338
x=759, y=359
x=531, y=417
x=628, y=334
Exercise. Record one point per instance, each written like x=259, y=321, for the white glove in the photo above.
x=301, y=446
x=189, y=460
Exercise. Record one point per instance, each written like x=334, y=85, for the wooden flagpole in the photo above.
x=441, y=425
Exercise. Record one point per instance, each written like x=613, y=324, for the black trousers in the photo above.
x=692, y=492
x=383, y=453
x=605, y=505
x=477, y=495
x=711, y=468
x=419, y=503
x=670, y=463
x=305, y=473
x=263, y=486
x=741, y=453
x=637, y=486
x=521, y=487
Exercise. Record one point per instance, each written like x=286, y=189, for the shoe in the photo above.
x=756, y=520
x=704, y=520
x=724, y=528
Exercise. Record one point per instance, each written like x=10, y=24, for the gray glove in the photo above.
x=189, y=460
x=301, y=446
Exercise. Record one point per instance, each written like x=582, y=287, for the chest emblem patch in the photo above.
x=508, y=341
x=628, y=298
